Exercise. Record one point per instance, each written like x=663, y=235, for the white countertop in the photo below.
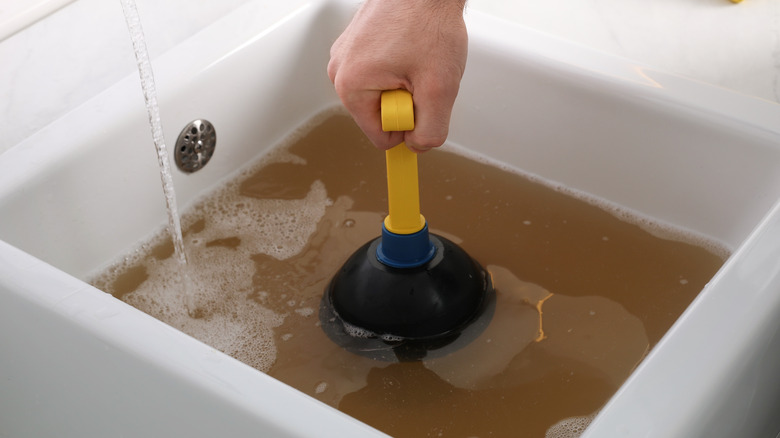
x=60, y=56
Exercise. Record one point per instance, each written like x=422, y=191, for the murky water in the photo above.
x=582, y=291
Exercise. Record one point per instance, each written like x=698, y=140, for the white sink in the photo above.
x=75, y=361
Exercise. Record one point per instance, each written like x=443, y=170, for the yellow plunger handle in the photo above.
x=403, y=192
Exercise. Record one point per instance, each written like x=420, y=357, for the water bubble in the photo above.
x=305, y=311
x=391, y=338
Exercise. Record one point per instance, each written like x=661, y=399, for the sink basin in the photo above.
x=75, y=361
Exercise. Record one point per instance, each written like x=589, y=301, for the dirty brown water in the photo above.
x=582, y=293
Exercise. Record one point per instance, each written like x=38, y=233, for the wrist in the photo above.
x=448, y=6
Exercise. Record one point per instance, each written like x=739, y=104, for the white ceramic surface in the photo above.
x=15, y=15
x=77, y=362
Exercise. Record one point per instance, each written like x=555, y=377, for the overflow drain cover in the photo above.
x=195, y=145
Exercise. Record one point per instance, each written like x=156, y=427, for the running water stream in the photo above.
x=150, y=98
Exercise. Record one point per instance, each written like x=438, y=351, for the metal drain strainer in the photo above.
x=195, y=145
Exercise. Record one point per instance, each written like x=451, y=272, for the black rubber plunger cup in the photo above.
x=408, y=294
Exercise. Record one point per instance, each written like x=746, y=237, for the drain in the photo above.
x=195, y=145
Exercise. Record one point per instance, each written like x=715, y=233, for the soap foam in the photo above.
x=232, y=324
x=571, y=427
x=228, y=314
x=275, y=227
x=357, y=332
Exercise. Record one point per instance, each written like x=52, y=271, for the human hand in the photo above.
x=417, y=45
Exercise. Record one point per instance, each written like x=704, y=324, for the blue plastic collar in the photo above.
x=405, y=250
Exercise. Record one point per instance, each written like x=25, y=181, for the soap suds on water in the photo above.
x=571, y=427
x=235, y=322
x=321, y=387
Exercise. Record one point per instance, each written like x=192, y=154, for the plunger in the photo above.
x=408, y=292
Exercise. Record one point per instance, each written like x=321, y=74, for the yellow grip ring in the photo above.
x=403, y=194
